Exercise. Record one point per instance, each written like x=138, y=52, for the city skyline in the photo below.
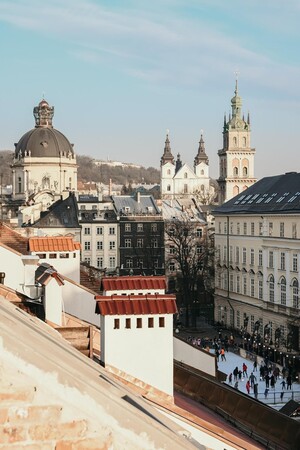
x=119, y=74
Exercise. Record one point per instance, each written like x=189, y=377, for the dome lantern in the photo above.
x=43, y=114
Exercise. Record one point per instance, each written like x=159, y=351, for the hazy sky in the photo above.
x=119, y=73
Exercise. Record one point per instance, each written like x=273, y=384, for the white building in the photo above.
x=258, y=250
x=236, y=158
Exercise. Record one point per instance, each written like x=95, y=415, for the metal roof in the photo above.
x=138, y=204
x=279, y=194
x=53, y=244
x=119, y=305
x=133, y=283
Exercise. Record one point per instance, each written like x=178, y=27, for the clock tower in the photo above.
x=236, y=158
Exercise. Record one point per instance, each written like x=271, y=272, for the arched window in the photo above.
x=20, y=184
x=283, y=291
x=244, y=142
x=235, y=171
x=245, y=171
x=185, y=175
x=271, y=288
x=169, y=171
x=70, y=183
x=168, y=187
x=236, y=190
x=185, y=189
x=234, y=141
x=295, y=293
x=202, y=172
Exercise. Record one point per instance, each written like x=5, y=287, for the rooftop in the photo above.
x=117, y=305
x=53, y=244
x=132, y=283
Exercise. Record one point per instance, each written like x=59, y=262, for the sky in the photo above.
x=119, y=73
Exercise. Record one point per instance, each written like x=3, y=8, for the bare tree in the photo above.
x=190, y=254
x=206, y=196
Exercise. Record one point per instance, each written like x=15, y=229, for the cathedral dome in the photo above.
x=43, y=140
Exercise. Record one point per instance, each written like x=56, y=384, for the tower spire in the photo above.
x=167, y=156
x=201, y=155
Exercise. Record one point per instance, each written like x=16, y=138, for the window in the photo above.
x=116, y=324
x=295, y=293
x=237, y=255
x=238, y=228
x=260, y=228
x=155, y=264
x=127, y=227
x=141, y=263
x=271, y=289
x=244, y=285
x=271, y=259
x=154, y=227
x=52, y=255
x=225, y=253
x=238, y=319
x=100, y=262
x=82, y=207
x=128, y=323
x=112, y=245
x=127, y=243
x=231, y=228
x=252, y=323
x=161, y=322
x=281, y=230
x=225, y=227
x=112, y=262
x=252, y=228
x=87, y=245
x=20, y=184
x=294, y=231
x=172, y=250
x=260, y=289
x=139, y=322
x=231, y=282
x=99, y=230
x=260, y=257
x=295, y=263
x=230, y=253
x=199, y=249
x=99, y=245
x=252, y=287
x=87, y=260
x=139, y=242
x=112, y=230
x=199, y=232
x=271, y=229
x=150, y=322
x=168, y=187
x=87, y=230
x=238, y=285
x=245, y=171
x=282, y=261
x=283, y=291
x=185, y=189
x=129, y=263
x=245, y=228
x=64, y=255
x=244, y=255
x=94, y=206
x=172, y=266
x=140, y=227
x=252, y=256
x=235, y=171
x=185, y=175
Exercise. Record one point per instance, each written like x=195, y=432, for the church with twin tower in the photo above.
x=236, y=163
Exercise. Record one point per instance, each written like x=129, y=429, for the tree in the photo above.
x=190, y=253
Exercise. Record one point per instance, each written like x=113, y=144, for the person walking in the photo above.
x=267, y=380
x=236, y=385
x=222, y=353
x=283, y=384
x=245, y=370
x=272, y=381
x=230, y=378
x=248, y=386
x=266, y=392
x=252, y=378
x=235, y=373
x=255, y=366
x=255, y=389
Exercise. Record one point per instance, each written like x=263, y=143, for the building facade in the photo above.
x=236, y=158
x=257, y=263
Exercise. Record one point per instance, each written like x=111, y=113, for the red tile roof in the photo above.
x=13, y=239
x=53, y=244
x=133, y=283
x=117, y=305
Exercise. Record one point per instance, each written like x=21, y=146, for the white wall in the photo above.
x=79, y=302
x=11, y=264
x=145, y=353
x=53, y=301
x=193, y=357
x=68, y=267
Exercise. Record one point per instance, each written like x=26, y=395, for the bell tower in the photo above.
x=236, y=158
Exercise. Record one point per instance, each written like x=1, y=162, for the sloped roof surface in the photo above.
x=63, y=213
x=276, y=195
x=14, y=240
x=45, y=272
x=133, y=283
x=50, y=244
x=117, y=305
x=141, y=206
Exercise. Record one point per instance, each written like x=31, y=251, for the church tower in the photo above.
x=167, y=171
x=201, y=166
x=236, y=158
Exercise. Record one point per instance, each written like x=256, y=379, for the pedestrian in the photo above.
x=289, y=382
x=240, y=375
x=236, y=385
x=266, y=392
x=235, y=373
x=230, y=378
x=255, y=366
x=267, y=380
x=255, y=389
x=281, y=395
x=245, y=370
x=283, y=384
x=272, y=381
x=248, y=386
x=222, y=352
x=217, y=354
x=252, y=378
